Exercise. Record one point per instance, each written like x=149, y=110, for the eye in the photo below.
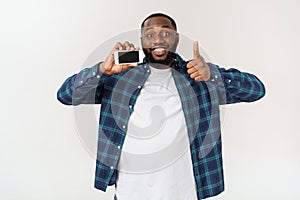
x=165, y=34
x=149, y=35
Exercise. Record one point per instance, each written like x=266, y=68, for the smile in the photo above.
x=159, y=51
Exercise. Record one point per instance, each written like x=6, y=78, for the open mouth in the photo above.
x=159, y=51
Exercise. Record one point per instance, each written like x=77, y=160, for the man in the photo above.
x=158, y=165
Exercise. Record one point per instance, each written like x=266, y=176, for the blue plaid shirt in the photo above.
x=200, y=101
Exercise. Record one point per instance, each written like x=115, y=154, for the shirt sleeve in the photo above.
x=234, y=86
x=86, y=87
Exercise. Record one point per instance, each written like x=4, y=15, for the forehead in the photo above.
x=158, y=21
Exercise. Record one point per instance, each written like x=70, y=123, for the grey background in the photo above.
x=43, y=42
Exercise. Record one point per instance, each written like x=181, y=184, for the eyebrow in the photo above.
x=164, y=26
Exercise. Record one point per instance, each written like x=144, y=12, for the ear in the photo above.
x=177, y=39
x=141, y=41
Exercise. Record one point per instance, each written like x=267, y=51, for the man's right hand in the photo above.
x=109, y=67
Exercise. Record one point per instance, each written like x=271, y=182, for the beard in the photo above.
x=159, y=63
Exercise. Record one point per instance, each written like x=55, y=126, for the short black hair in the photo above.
x=160, y=15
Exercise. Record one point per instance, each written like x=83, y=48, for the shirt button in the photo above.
x=111, y=167
x=139, y=87
x=98, y=76
x=119, y=147
x=130, y=106
x=94, y=73
x=81, y=82
x=124, y=126
x=148, y=70
x=216, y=76
x=229, y=81
x=213, y=80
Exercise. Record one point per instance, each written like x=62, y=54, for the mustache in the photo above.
x=159, y=46
x=156, y=46
x=149, y=58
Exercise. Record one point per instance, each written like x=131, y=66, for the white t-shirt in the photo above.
x=155, y=162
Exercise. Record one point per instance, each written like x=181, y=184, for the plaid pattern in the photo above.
x=200, y=103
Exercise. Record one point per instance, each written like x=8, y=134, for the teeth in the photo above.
x=159, y=49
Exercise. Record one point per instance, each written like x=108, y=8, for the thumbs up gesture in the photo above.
x=197, y=68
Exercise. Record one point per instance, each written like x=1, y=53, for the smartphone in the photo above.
x=128, y=57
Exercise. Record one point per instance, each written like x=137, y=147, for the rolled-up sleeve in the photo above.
x=83, y=88
x=235, y=86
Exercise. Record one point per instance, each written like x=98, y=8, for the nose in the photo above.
x=158, y=39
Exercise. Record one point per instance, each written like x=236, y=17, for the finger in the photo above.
x=118, y=46
x=191, y=70
x=196, y=50
x=134, y=65
x=198, y=78
x=132, y=48
x=190, y=64
x=127, y=45
x=195, y=74
x=127, y=66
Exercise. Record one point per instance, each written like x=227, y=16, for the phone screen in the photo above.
x=128, y=57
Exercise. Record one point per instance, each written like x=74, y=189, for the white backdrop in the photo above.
x=43, y=42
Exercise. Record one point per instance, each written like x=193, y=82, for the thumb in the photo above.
x=196, y=50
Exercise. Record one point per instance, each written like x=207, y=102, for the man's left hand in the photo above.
x=197, y=68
